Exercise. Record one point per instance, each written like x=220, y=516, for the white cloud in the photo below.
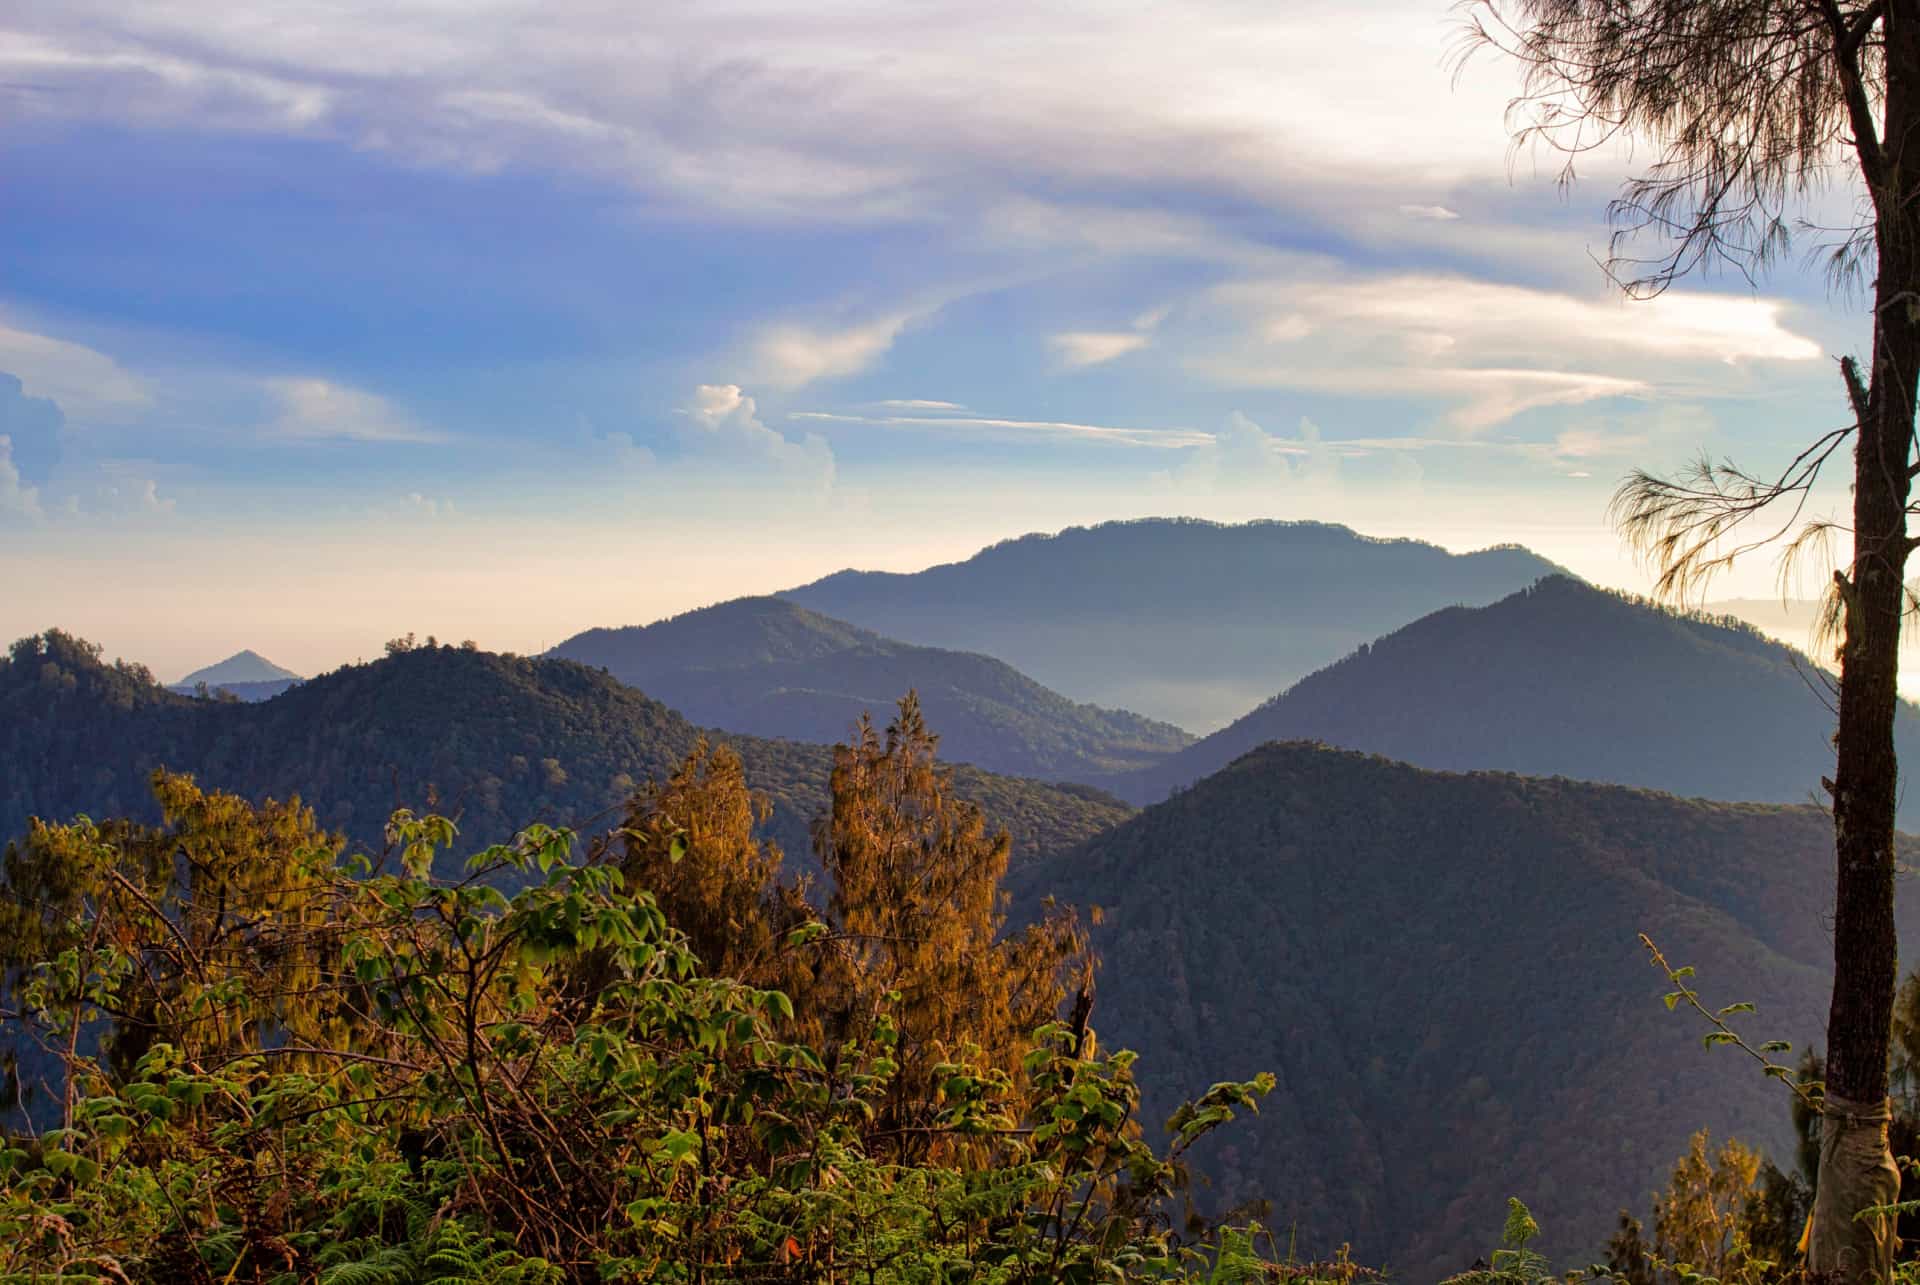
x=1490, y=351
x=915, y=403
x=981, y=427
x=726, y=425
x=311, y=409
x=1244, y=455
x=844, y=109
x=791, y=355
x=1432, y=213
x=1081, y=348
x=88, y=385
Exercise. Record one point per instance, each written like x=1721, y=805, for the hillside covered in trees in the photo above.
x=1444, y=974
x=496, y=741
x=766, y=667
x=1183, y=620
x=1564, y=679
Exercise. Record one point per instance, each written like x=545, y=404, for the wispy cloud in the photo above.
x=1022, y=429
x=1491, y=351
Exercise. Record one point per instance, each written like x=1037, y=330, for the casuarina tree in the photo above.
x=1751, y=108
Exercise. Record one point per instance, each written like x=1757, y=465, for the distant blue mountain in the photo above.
x=1190, y=622
x=766, y=667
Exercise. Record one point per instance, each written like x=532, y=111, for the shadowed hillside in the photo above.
x=770, y=668
x=1188, y=621
x=499, y=741
x=1564, y=680
x=1443, y=971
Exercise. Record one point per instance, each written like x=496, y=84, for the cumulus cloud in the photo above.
x=1491, y=351
x=1080, y=348
x=725, y=423
x=1243, y=454
x=311, y=409
x=32, y=425
x=17, y=499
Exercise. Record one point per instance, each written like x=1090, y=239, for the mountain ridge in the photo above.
x=503, y=740
x=1443, y=970
x=766, y=666
x=1565, y=679
x=1108, y=614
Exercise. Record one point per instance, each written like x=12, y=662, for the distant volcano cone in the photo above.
x=241, y=667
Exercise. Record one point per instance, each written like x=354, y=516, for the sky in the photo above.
x=326, y=321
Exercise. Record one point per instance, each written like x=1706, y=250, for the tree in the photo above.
x=222, y=892
x=917, y=916
x=691, y=839
x=1753, y=105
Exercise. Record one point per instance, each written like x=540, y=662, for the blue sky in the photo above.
x=321, y=322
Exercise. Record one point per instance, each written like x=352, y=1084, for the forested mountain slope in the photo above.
x=1443, y=971
x=1184, y=620
x=499, y=741
x=767, y=667
x=1564, y=680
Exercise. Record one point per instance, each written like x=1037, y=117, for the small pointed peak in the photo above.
x=244, y=666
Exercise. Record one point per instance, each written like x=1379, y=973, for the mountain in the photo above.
x=770, y=668
x=1443, y=972
x=498, y=741
x=241, y=667
x=1564, y=680
x=1188, y=621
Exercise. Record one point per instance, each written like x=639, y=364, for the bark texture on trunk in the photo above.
x=1856, y=1169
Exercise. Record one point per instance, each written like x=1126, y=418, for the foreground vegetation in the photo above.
x=269, y=1061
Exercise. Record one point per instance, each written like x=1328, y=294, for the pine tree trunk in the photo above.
x=1856, y=1167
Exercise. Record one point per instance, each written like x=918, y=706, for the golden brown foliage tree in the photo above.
x=691, y=840
x=917, y=912
x=915, y=924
